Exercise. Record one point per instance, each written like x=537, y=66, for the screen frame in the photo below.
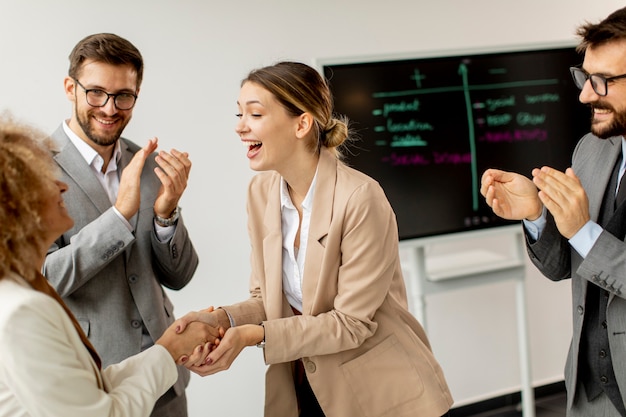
x=321, y=62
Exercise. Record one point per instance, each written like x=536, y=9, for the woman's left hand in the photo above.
x=229, y=347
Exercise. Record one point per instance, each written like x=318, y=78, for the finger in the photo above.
x=203, y=370
x=564, y=189
x=551, y=205
x=183, y=322
x=551, y=182
x=197, y=356
x=570, y=173
x=485, y=184
x=490, y=196
x=151, y=145
x=183, y=158
x=216, y=354
x=174, y=164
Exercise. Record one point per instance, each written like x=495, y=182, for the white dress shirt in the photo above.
x=293, y=258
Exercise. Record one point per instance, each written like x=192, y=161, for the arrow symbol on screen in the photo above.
x=472, y=139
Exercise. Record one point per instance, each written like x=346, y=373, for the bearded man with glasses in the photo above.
x=575, y=224
x=128, y=239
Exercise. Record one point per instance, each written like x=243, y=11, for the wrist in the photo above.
x=535, y=216
x=260, y=336
x=170, y=220
x=223, y=320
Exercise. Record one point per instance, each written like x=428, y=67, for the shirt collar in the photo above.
x=90, y=155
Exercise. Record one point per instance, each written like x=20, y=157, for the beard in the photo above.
x=84, y=120
x=616, y=127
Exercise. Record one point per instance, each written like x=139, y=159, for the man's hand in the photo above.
x=511, y=196
x=173, y=171
x=129, y=193
x=564, y=196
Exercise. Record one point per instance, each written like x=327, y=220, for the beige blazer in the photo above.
x=45, y=370
x=364, y=353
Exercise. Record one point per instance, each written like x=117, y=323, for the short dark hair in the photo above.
x=610, y=29
x=108, y=48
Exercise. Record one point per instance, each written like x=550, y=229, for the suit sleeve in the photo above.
x=551, y=253
x=176, y=260
x=70, y=265
x=46, y=365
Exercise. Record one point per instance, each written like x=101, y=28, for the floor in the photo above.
x=547, y=404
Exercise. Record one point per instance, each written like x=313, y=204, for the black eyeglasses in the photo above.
x=99, y=98
x=599, y=82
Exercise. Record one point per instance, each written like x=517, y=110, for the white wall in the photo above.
x=197, y=52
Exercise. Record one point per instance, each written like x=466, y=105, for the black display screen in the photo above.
x=429, y=128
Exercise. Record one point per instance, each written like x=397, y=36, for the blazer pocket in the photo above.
x=383, y=378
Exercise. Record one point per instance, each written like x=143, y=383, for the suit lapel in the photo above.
x=321, y=217
x=272, y=250
x=608, y=154
x=74, y=165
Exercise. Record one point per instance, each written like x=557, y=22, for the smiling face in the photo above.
x=100, y=127
x=608, y=116
x=55, y=219
x=267, y=131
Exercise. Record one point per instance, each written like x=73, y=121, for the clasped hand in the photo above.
x=218, y=356
x=181, y=344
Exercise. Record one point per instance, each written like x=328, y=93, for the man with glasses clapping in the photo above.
x=128, y=239
x=575, y=224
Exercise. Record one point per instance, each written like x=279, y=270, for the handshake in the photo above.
x=194, y=336
x=204, y=342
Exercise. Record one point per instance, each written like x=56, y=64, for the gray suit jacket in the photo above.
x=112, y=278
x=605, y=265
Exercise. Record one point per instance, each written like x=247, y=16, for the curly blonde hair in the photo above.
x=26, y=167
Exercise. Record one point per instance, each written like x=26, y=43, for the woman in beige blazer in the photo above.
x=328, y=302
x=48, y=367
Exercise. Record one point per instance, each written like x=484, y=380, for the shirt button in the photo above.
x=580, y=309
x=133, y=278
x=310, y=366
x=135, y=324
x=604, y=379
